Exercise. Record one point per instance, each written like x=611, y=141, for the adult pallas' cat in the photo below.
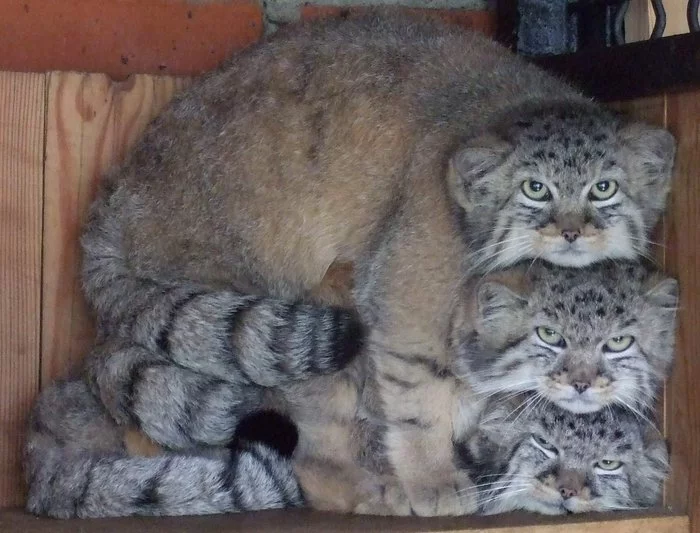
x=419, y=153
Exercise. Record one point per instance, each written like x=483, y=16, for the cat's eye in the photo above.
x=541, y=443
x=618, y=344
x=608, y=465
x=603, y=190
x=551, y=337
x=536, y=190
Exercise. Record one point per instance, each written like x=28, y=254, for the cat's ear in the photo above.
x=651, y=472
x=649, y=154
x=471, y=163
x=499, y=310
x=662, y=293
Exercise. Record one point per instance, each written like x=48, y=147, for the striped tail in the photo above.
x=76, y=467
x=221, y=333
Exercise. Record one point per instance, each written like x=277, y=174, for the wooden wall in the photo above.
x=58, y=133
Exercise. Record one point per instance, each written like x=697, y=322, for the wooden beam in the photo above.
x=646, y=68
x=303, y=521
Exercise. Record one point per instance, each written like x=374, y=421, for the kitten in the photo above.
x=76, y=466
x=581, y=338
x=529, y=454
x=418, y=152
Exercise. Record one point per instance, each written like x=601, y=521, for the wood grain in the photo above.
x=22, y=115
x=122, y=37
x=91, y=123
x=302, y=521
x=683, y=254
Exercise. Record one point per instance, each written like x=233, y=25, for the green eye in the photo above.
x=603, y=190
x=550, y=337
x=544, y=444
x=618, y=344
x=536, y=190
x=609, y=465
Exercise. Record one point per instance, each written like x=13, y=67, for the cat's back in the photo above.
x=317, y=125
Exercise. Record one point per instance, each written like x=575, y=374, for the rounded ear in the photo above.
x=498, y=309
x=651, y=472
x=651, y=153
x=471, y=164
x=663, y=292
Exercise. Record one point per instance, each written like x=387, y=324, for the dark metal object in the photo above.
x=660, y=14
x=632, y=70
x=693, y=23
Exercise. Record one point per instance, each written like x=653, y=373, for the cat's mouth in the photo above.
x=567, y=398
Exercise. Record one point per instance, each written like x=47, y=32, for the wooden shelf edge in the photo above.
x=123, y=37
x=634, y=70
x=309, y=521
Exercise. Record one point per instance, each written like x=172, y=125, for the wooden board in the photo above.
x=300, y=521
x=122, y=37
x=682, y=258
x=91, y=122
x=22, y=98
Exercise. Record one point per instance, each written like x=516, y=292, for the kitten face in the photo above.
x=550, y=461
x=583, y=339
x=573, y=186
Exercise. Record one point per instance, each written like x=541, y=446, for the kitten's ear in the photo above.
x=472, y=162
x=663, y=293
x=647, y=484
x=498, y=309
x=650, y=153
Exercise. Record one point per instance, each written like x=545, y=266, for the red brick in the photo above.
x=483, y=21
x=121, y=37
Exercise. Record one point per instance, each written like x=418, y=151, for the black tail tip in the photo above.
x=270, y=428
x=351, y=338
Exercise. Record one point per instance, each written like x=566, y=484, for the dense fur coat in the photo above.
x=419, y=153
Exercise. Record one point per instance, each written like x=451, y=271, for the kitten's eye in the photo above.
x=541, y=443
x=603, y=190
x=536, y=190
x=550, y=337
x=618, y=344
x=608, y=465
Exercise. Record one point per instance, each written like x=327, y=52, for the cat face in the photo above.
x=571, y=185
x=583, y=339
x=537, y=457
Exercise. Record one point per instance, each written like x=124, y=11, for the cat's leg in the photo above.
x=175, y=406
x=412, y=399
x=76, y=466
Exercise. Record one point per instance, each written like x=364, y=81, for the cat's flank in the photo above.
x=529, y=454
x=76, y=466
x=581, y=338
x=418, y=152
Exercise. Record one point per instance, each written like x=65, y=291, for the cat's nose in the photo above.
x=580, y=386
x=570, y=235
x=567, y=493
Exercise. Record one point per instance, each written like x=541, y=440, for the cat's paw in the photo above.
x=453, y=496
x=386, y=498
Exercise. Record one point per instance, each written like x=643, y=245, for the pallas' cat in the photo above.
x=420, y=154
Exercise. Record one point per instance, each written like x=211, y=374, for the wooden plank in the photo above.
x=301, y=521
x=91, y=122
x=482, y=21
x=683, y=256
x=22, y=115
x=633, y=70
x=121, y=37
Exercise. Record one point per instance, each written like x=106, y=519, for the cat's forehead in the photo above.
x=609, y=431
x=565, y=146
x=598, y=295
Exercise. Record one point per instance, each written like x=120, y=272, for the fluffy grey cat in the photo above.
x=417, y=152
x=530, y=454
x=76, y=466
x=581, y=338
